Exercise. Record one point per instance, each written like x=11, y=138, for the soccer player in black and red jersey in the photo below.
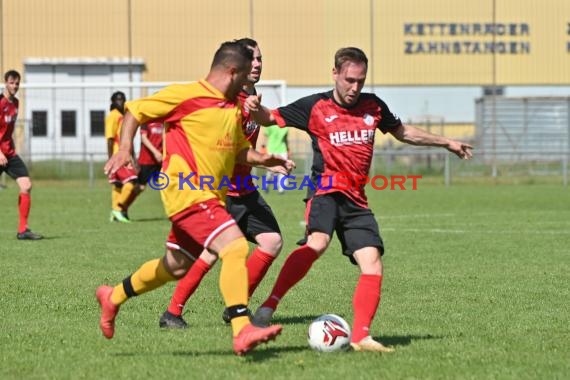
x=150, y=155
x=342, y=124
x=10, y=162
x=246, y=205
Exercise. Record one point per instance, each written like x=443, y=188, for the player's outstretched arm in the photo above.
x=124, y=155
x=416, y=136
x=262, y=115
x=271, y=162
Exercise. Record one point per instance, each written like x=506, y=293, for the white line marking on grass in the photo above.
x=414, y=216
x=497, y=232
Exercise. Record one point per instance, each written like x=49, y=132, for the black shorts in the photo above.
x=252, y=214
x=355, y=226
x=146, y=171
x=15, y=168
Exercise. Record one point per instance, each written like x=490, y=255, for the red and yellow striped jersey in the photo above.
x=203, y=134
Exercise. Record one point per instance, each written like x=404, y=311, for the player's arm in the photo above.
x=110, y=143
x=261, y=114
x=146, y=142
x=271, y=162
x=3, y=159
x=124, y=155
x=415, y=136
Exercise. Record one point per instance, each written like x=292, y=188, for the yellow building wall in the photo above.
x=177, y=38
x=537, y=48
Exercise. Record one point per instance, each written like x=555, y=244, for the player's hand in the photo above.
x=462, y=150
x=280, y=165
x=253, y=103
x=3, y=160
x=158, y=157
x=117, y=161
x=133, y=164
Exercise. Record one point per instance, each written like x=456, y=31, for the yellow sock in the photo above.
x=150, y=276
x=233, y=278
x=115, y=196
x=126, y=195
x=134, y=193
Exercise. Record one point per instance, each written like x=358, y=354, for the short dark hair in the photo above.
x=351, y=54
x=12, y=74
x=118, y=95
x=247, y=42
x=232, y=53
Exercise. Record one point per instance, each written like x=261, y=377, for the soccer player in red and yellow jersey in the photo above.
x=203, y=139
x=123, y=181
x=10, y=162
x=248, y=208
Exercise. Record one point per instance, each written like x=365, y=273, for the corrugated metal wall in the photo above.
x=526, y=128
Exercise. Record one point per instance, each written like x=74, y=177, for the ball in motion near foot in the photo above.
x=329, y=333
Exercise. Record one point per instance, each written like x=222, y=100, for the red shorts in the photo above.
x=196, y=227
x=123, y=175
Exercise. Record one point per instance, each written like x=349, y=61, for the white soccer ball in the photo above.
x=329, y=333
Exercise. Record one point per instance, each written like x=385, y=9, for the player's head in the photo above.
x=232, y=62
x=118, y=100
x=256, y=64
x=11, y=82
x=349, y=74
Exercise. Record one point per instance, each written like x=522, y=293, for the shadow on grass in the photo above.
x=294, y=320
x=404, y=340
x=155, y=219
x=52, y=237
x=260, y=353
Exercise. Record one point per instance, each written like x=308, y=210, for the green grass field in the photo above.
x=476, y=286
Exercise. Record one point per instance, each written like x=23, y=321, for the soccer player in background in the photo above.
x=203, y=123
x=342, y=124
x=10, y=162
x=248, y=208
x=150, y=155
x=123, y=182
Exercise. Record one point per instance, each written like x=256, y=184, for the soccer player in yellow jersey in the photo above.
x=203, y=140
x=124, y=180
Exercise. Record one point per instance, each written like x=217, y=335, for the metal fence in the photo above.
x=519, y=140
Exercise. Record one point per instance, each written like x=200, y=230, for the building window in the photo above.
x=39, y=123
x=68, y=124
x=97, y=123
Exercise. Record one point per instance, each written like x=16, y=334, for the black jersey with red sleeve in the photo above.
x=241, y=181
x=342, y=138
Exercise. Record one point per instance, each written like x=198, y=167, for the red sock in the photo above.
x=295, y=268
x=187, y=285
x=24, y=204
x=257, y=265
x=365, y=303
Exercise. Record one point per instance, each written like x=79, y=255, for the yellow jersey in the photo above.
x=113, y=124
x=203, y=134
